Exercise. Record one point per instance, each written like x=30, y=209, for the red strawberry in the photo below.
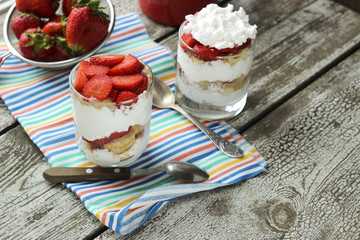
x=98, y=143
x=67, y=6
x=55, y=18
x=42, y=8
x=98, y=87
x=86, y=26
x=130, y=65
x=188, y=40
x=59, y=54
x=53, y=29
x=206, y=53
x=142, y=86
x=35, y=44
x=113, y=95
x=25, y=21
x=107, y=60
x=125, y=96
x=81, y=79
x=127, y=82
x=92, y=70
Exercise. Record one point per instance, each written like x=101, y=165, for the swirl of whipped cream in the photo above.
x=219, y=27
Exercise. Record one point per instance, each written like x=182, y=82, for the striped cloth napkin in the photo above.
x=40, y=100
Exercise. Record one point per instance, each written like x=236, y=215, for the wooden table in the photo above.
x=303, y=115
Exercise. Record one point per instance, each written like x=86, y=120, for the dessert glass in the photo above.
x=123, y=128
x=212, y=89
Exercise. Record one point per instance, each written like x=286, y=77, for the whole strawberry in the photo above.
x=42, y=8
x=67, y=6
x=86, y=26
x=35, y=44
x=24, y=21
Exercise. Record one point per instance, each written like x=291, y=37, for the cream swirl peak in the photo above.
x=219, y=27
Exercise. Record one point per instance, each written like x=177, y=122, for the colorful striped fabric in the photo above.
x=40, y=100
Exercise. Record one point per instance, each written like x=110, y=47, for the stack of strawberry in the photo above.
x=45, y=36
x=207, y=53
x=114, y=77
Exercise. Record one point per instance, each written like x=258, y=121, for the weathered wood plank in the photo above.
x=311, y=188
x=30, y=207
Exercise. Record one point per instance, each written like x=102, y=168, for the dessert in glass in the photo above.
x=214, y=59
x=112, y=102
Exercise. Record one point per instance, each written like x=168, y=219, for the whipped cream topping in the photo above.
x=219, y=27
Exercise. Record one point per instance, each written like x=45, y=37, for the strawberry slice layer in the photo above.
x=206, y=53
x=123, y=98
x=127, y=82
x=81, y=79
x=128, y=66
x=98, y=143
x=107, y=60
x=93, y=70
x=188, y=40
x=98, y=87
x=142, y=86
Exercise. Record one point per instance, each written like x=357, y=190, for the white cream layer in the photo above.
x=95, y=123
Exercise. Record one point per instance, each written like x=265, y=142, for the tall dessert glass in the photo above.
x=112, y=134
x=212, y=83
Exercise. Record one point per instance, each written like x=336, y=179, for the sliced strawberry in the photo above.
x=92, y=70
x=98, y=87
x=113, y=95
x=80, y=81
x=125, y=96
x=188, y=40
x=127, y=82
x=98, y=143
x=142, y=86
x=128, y=66
x=107, y=60
x=206, y=53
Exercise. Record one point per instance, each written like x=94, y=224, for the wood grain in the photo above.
x=30, y=207
x=311, y=187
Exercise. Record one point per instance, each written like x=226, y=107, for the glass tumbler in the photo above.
x=213, y=87
x=112, y=134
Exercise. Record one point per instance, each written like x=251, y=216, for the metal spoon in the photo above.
x=164, y=98
x=180, y=170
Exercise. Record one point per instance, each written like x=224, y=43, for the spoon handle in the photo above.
x=228, y=148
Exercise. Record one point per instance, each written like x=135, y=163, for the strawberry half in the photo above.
x=188, y=40
x=107, y=60
x=127, y=82
x=113, y=95
x=142, y=87
x=92, y=70
x=128, y=66
x=81, y=79
x=125, y=96
x=98, y=87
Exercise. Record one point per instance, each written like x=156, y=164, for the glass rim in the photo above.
x=73, y=74
x=253, y=41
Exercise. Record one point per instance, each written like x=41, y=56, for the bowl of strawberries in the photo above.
x=57, y=34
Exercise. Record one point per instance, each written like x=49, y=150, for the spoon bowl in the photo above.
x=185, y=171
x=163, y=97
